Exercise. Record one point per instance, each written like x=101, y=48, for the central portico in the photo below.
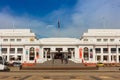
x=58, y=46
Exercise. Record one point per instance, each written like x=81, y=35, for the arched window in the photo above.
x=86, y=53
x=32, y=53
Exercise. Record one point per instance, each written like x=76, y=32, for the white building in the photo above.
x=96, y=45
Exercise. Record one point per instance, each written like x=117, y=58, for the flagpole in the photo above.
x=58, y=28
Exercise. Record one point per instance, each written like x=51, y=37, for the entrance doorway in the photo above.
x=58, y=54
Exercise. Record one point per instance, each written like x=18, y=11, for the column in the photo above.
x=41, y=52
x=94, y=55
x=71, y=54
x=117, y=54
x=46, y=54
x=8, y=55
x=23, y=55
x=15, y=53
x=102, y=55
x=109, y=55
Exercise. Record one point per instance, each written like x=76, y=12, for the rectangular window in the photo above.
x=119, y=50
x=4, y=50
x=85, y=39
x=105, y=40
x=98, y=40
x=19, y=58
x=12, y=40
x=105, y=50
x=113, y=58
x=98, y=58
x=5, y=40
x=113, y=50
x=111, y=40
x=105, y=58
x=18, y=40
x=12, y=50
x=19, y=50
x=59, y=49
x=97, y=50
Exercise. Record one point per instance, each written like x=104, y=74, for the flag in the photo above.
x=58, y=24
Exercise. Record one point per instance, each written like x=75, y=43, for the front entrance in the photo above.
x=49, y=54
x=57, y=55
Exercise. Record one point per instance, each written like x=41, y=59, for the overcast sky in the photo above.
x=75, y=16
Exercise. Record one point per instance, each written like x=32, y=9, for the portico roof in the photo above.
x=59, y=41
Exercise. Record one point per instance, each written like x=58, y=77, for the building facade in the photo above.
x=96, y=45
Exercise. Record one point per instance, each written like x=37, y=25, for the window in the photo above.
x=113, y=57
x=19, y=50
x=105, y=40
x=12, y=57
x=12, y=40
x=59, y=49
x=105, y=50
x=5, y=40
x=32, y=54
x=105, y=58
x=119, y=50
x=111, y=40
x=98, y=50
x=4, y=50
x=98, y=40
x=18, y=40
x=12, y=50
x=98, y=58
x=86, y=53
x=113, y=50
x=85, y=39
x=19, y=58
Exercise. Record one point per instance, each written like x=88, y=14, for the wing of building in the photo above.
x=96, y=45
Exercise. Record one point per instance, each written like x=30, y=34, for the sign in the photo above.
x=26, y=52
x=91, y=55
x=80, y=52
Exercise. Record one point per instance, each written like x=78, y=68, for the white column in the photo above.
x=94, y=55
x=24, y=55
x=8, y=55
x=41, y=53
x=76, y=50
x=109, y=55
x=35, y=54
x=45, y=54
x=15, y=53
x=117, y=55
x=102, y=55
x=71, y=54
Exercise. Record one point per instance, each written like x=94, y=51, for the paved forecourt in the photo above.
x=59, y=75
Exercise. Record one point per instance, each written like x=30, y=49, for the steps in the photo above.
x=48, y=65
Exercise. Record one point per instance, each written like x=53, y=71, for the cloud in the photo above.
x=10, y=21
x=74, y=21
